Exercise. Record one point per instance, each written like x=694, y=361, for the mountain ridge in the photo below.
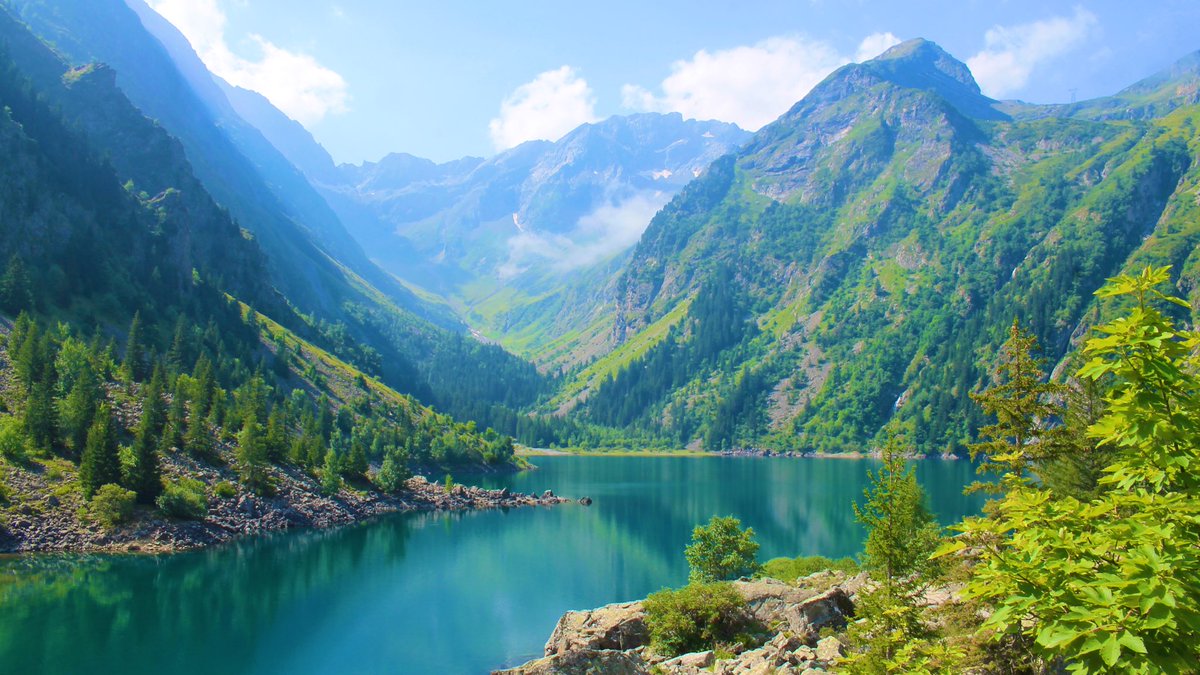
x=868, y=249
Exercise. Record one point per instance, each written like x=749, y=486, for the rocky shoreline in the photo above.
x=45, y=511
x=614, y=640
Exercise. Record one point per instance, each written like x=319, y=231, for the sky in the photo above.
x=448, y=79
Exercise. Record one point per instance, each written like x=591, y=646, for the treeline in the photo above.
x=118, y=417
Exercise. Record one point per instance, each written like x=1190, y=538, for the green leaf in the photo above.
x=1053, y=635
x=1111, y=651
x=1133, y=642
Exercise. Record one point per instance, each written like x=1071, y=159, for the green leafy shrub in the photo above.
x=12, y=440
x=696, y=617
x=184, y=499
x=393, y=472
x=721, y=550
x=790, y=569
x=112, y=505
x=225, y=490
x=448, y=483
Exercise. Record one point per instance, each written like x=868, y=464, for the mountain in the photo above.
x=210, y=391
x=501, y=237
x=853, y=266
x=340, y=299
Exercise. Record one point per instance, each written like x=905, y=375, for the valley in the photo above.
x=400, y=414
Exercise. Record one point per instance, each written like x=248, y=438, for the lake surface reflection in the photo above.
x=428, y=593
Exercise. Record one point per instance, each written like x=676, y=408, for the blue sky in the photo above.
x=447, y=79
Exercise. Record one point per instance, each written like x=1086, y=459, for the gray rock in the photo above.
x=829, y=650
x=617, y=626
x=583, y=662
x=586, y=501
x=548, y=494
x=692, y=660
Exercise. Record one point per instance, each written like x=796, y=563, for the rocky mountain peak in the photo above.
x=922, y=64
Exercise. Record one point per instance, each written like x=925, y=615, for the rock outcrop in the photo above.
x=615, y=640
x=619, y=626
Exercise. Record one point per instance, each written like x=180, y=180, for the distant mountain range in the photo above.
x=850, y=268
x=502, y=239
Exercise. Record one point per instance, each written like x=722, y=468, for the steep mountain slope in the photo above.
x=209, y=404
x=501, y=238
x=854, y=265
x=358, y=311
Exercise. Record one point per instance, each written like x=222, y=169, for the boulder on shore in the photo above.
x=618, y=626
x=583, y=662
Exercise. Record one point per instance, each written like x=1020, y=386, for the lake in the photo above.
x=429, y=593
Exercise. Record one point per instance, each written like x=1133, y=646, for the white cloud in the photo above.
x=749, y=85
x=296, y=83
x=875, y=44
x=609, y=229
x=549, y=106
x=1011, y=53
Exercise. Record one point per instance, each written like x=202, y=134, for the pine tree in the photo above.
x=178, y=353
x=41, y=413
x=145, y=474
x=1076, y=464
x=176, y=428
x=356, y=462
x=199, y=441
x=252, y=458
x=29, y=360
x=1023, y=404
x=77, y=409
x=890, y=636
x=252, y=400
x=901, y=533
x=100, y=464
x=324, y=418
x=331, y=472
x=133, y=368
x=16, y=290
x=278, y=438
x=203, y=386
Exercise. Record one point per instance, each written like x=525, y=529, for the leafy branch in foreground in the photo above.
x=1110, y=580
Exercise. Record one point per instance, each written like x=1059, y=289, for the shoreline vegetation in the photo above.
x=43, y=519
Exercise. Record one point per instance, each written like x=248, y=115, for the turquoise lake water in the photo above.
x=429, y=593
